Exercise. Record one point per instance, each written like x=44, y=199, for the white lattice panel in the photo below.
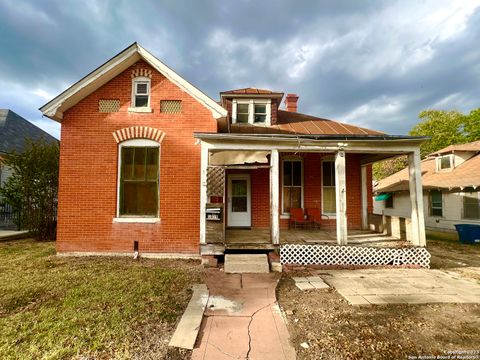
x=352, y=255
x=215, y=181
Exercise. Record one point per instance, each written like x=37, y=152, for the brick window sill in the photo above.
x=140, y=110
x=142, y=220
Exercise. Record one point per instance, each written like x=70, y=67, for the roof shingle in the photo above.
x=15, y=130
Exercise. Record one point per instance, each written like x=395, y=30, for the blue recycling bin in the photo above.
x=468, y=233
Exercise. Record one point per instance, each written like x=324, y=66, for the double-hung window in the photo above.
x=471, y=205
x=252, y=111
x=139, y=174
x=292, y=184
x=260, y=114
x=141, y=93
x=328, y=187
x=436, y=203
x=243, y=111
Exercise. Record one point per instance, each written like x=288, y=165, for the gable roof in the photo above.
x=465, y=175
x=296, y=123
x=15, y=130
x=472, y=146
x=55, y=108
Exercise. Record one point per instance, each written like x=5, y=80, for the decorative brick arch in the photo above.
x=138, y=132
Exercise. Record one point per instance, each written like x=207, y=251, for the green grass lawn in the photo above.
x=55, y=307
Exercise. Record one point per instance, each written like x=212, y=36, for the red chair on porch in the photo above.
x=298, y=218
x=315, y=217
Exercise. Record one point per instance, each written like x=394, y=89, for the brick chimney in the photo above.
x=291, y=102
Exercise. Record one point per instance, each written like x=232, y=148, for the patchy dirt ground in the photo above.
x=332, y=329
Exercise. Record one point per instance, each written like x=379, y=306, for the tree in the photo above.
x=33, y=187
x=472, y=126
x=444, y=128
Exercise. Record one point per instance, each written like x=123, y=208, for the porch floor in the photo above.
x=261, y=237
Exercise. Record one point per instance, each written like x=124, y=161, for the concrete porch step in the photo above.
x=246, y=263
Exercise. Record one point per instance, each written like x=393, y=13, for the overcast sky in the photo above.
x=372, y=63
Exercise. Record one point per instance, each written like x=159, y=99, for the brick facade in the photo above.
x=88, y=171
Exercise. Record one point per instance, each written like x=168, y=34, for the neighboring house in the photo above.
x=451, y=182
x=146, y=157
x=15, y=131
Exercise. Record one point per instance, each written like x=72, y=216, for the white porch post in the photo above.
x=274, y=197
x=364, y=191
x=416, y=198
x=341, y=197
x=203, y=192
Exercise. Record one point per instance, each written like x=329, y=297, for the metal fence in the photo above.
x=7, y=216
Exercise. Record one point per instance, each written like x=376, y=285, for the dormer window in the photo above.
x=140, y=94
x=251, y=111
x=243, y=113
x=445, y=162
x=260, y=115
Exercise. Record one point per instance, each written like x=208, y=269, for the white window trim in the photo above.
x=251, y=110
x=326, y=215
x=439, y=162
x=136, y=219
x=286, y=215
x=144, y=109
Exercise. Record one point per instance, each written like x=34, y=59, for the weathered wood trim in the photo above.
x=274, y=197
x=341, y=198
x=364, y=192
x=203, y=192
x=416, y=198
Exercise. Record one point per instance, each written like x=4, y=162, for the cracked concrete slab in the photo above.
x=242, y=319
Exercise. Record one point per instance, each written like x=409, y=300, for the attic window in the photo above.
x=445, y=162
x=140, y=94
x=171, y=106
x=251, y=111
x=108, y=105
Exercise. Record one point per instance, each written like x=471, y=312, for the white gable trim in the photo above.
x=56, y=107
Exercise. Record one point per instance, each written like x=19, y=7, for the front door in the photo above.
x=239, y=201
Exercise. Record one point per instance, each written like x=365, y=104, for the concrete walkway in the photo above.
x=12, y=234
x=401, y=286
x=242, y=319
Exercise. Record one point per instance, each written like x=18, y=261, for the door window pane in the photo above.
x=239, y=187
x=239, y=204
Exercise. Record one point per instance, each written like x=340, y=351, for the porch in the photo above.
x=260, y=238
x=254, y=183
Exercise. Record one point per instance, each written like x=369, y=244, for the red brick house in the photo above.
x=147, y=157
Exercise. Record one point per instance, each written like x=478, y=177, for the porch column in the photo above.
x=203, y=191
x=341, y=197
x=364, y=190
x=416, y=198
x=274, y=197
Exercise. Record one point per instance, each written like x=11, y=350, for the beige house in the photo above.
x=451, y=182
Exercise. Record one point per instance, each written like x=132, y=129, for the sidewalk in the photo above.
x=242, y=319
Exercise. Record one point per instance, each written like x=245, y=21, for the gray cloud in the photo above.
x=372, y=63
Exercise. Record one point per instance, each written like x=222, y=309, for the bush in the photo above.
x=33, y=187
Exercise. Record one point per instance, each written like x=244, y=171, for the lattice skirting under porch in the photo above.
x=353, y=255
